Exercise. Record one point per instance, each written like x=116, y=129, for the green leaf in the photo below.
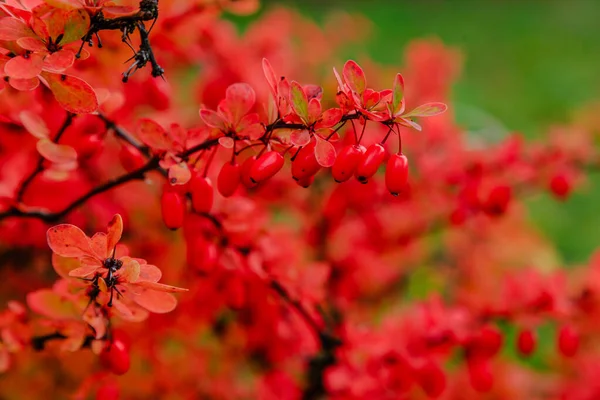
x=77, y=25
x=299, y=100
x=427, y=110
x=398, y=95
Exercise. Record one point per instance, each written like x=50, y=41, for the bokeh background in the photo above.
x=528, y=66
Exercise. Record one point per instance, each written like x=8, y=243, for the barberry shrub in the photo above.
x=295, y=211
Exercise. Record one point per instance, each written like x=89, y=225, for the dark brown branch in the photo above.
x=38, y=343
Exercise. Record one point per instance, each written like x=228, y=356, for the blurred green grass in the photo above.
x=527, y=64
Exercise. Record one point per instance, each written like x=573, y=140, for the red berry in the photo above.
x=568, y=341
x=245, y=172
x=229, y=179
x=396, y=174
x=346, y=162
x=305, y=182
x=369, y=162
x=108, y=391
x=485, y=343
x=305, y=163
x=431, y=378
x=202, y=255
x=115, y=357
x=202, y=193
x=526, y=342
x=266, y=166
x=88, y=145
x=131, y=158
x=498, y=200
x=173, y=209
x=480, y=374
x=560, y=185
x=235, y=291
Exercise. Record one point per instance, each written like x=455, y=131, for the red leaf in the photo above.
x=324, y=153
x=427, y=110
x=354, y=77
x=300, y=137
x=24, y=68
x=212, y=119
x=314, y=110
x=153, y=135
x=31, y=43
x=64, y=265
x=24, y=84
x=13, y=29
x=156, y=302
x=73, y=94
x=64, y=4
x=298, y=100
x=329, y=118
x=160, y=287
x=59, y=61
x=69, y=241
x=239, y=100
x=270, y=76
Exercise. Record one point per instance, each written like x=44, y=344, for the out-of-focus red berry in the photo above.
x=173, y=209
x=202, y=254
x=526, y=342
x=497, y=200
x=560, y=186
x=568, y=340
x=202, y=193
x=108, y=391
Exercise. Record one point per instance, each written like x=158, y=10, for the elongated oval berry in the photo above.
x=346, y=162
x=370, y=162
x=229, y=179
x=245, y=171
x=306, y=181
x=266, y=166
x=480, y=373
x=173, y=209
x=568, y=341
x=131, y=159
x=202, y=193
x=526, y=342
x=431, y=378
x=108, y=391
x=396, y=174
x=202, y=255
x=305, y=163
x=115, y=357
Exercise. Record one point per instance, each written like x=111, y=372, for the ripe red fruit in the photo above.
x=432, y=379
x=568, y=340
x=369, y=162
x=131, y=158
x=526, y=342
x=202, y=193
x=88, y=146
x=480, y=374
x=560, y=185
x=485, y=343
x=346, y=162
x=173, y=209
x=108, y=391
x=245, y=172
x=305, y=182
x=396, y=174
x=266, y=166
x=202, y=255
x=235, y=291
x=115, y=357
x=497, y=200
x=229, y=179
x=305, y=163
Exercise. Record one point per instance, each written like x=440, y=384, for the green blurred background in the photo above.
x=528, y=65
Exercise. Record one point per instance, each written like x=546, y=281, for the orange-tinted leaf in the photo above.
x=64, y=265
x=72, y=93
x=155, y=301
x=59, y=61
x=34, y=124
x=76, y=26
x=24, y=68
x=13, y=29
x=179, y=174
x=130, y=271
x=160, y=287
x=50, y=304
x=150, y=273
x=300, y=137
x=212, y=119
x=298, y=100
x=154, y=135
x=64, y=4
x=324, y=153
x=239, y=100
x=130, y=311
x=329, y=118
x=115, y=230
x=113, y=11
x=85, y=270
x=57, y=153
x=31, y=43
x=427, y=110
x=67, y=240
x=99, y=245
x=24, y=84
x=354, y=77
